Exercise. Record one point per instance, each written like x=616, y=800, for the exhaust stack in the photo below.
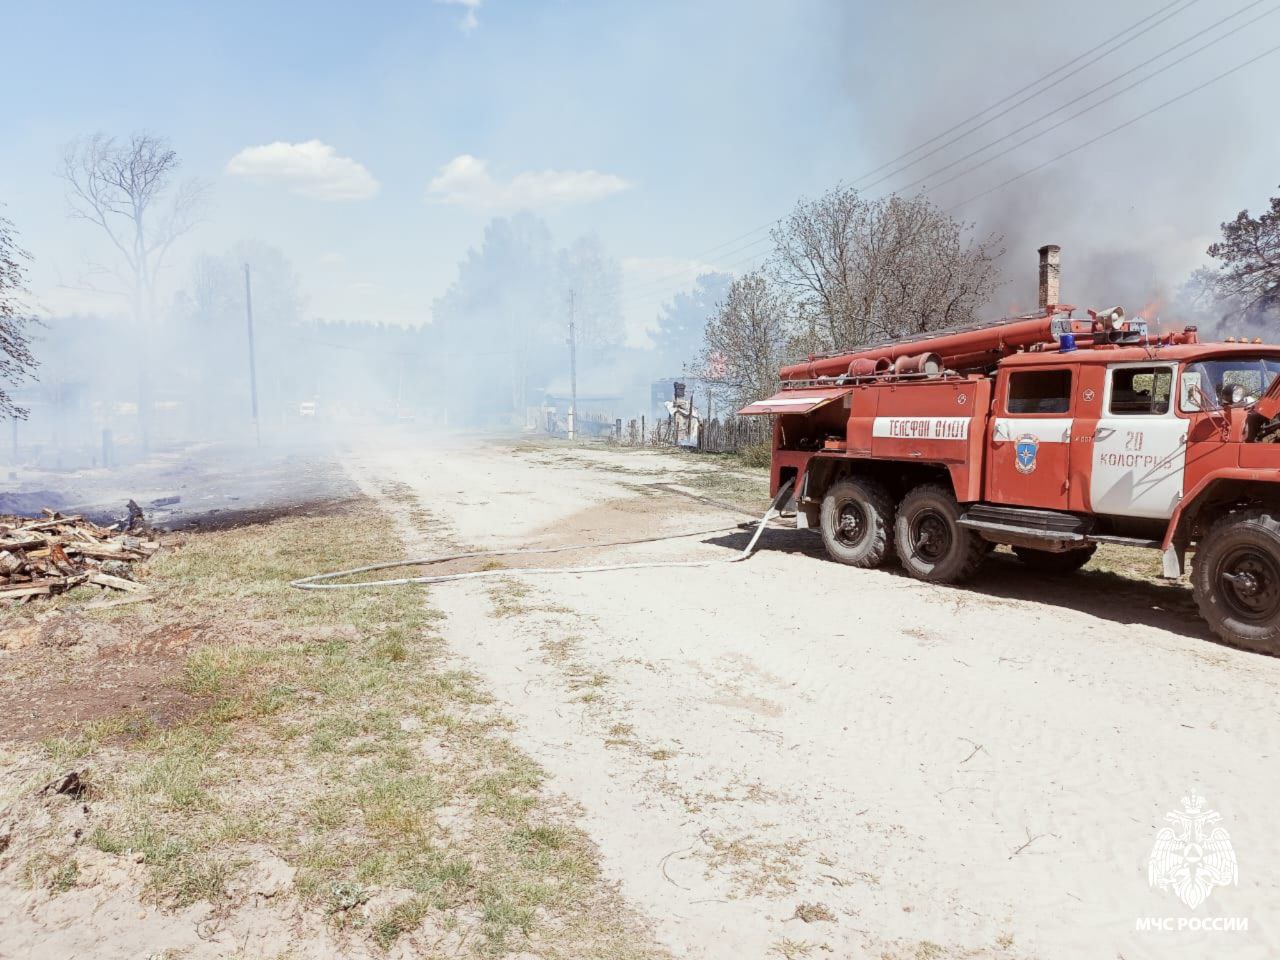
x=1050, y=275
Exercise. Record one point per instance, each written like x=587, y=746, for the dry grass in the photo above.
x=748, y=491
x=338, y=738
x=508, y=596
x=1135, y=563
x=790, y=948
x=814, y=913
x=757, y=456
x=756, y=867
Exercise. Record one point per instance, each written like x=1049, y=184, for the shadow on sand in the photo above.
x=1098, y=593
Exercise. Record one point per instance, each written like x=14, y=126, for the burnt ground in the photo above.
x=186, y=486
x=234, y=518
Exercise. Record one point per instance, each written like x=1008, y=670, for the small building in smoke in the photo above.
x=663, y=392
x=595, y=413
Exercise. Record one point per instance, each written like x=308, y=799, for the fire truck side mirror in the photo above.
x=1192, y=394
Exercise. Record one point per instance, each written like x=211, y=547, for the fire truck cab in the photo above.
x=1050, y=434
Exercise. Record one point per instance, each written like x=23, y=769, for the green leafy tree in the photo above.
x=595, y=279
x=1248, y=256
x=504, y=321
x=682, y=320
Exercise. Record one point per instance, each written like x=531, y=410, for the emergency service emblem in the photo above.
x=1189, y=859
x=1024, y=453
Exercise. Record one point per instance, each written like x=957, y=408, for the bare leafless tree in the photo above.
x=747, y=337
x=861, y=269
x=16, y=359
x=127, y=190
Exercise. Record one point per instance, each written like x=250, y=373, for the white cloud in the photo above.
x=469, y=20
x=311, y=169
x=465, y=180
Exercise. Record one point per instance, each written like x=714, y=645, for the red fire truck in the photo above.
x=1051, y=433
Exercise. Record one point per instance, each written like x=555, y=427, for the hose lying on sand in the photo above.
x=320, y=580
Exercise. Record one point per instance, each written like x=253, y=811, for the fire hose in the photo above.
x=320, y=581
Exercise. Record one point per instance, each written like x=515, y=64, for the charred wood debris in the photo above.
x=49, y=555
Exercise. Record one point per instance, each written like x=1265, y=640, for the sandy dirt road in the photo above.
x=788, y=757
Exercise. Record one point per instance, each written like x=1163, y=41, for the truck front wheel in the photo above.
x=931, y=543
x=1236, y=579
x=857, y=522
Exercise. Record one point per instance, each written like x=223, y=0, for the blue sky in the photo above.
x=371, y=143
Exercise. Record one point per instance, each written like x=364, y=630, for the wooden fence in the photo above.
x=716, y=436
x=732, y=434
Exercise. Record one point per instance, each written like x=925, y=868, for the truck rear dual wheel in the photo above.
x=1236, y=579
x=930, y=541
x=1051, y=562
x=857, y=522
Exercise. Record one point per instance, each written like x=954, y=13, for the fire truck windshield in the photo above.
x=1238, y=381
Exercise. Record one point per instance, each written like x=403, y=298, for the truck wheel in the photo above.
x=856, y=522
x=931, y=543
x=1236, y=579
x=1048, y=561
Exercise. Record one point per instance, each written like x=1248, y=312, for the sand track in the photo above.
x=979, y=771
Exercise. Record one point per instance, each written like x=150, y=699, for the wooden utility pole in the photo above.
x=399, y=385
x=573, y=374
x=253, y=364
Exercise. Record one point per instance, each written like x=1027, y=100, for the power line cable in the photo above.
x=1102, y=136
x=1048, y=76
x=1182, y=5
x=1090, y=142
x=642, y=295
x=1146, y=113
x=1050, y=113
x=1093, y=106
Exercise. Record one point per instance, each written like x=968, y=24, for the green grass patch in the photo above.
x=297, y=746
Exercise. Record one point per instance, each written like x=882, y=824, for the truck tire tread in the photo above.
x=877, y=546
x=967, y=552
x=1259, y=527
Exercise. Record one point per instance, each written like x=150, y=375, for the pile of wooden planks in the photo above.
x=52, y=554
